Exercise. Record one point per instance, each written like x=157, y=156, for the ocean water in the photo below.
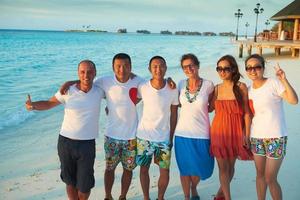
x=38, y=62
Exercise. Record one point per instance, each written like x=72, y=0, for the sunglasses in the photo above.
x=224, y=69
x=255, y=68
x=190, y=66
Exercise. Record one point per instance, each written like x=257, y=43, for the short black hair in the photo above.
x=157, y=57
x=122, y=56
x=91, y=63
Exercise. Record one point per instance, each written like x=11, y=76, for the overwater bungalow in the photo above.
x=282, y=39
x=122, y=30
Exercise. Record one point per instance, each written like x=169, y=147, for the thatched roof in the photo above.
x=290, y=12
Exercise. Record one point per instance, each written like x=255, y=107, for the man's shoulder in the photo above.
x=73, y=89
x=136, y=80
x=104, y=81
x=107, y=78
x=144, y=83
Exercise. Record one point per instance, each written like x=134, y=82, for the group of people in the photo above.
x=248, y=124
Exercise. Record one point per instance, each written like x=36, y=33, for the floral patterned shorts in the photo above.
x=123, y=151
x=274, y=148
x=146, y=149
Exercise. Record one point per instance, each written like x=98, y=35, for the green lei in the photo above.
x=187, y=91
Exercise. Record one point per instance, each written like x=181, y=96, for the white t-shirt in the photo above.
x=268, y=120
x=121, y=102
x=81, y=118
x=193, y=119
x=154, y=124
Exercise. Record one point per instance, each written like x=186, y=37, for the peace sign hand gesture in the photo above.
x=279, y=73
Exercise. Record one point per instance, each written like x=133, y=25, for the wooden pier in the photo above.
x=290, y=13
x=277, y=45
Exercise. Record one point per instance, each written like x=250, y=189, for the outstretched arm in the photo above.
x=41, y=105
x=289, y=94
x=173, y=122
x=65, y=87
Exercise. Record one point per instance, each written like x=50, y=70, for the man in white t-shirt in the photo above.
x=156, y=126
x=120, y=135
x=76, y=143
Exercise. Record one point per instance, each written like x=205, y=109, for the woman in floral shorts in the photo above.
x=268, y=129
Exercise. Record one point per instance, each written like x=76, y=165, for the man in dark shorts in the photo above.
x=76, y=142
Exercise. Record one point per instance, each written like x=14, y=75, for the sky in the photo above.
x=153, y=15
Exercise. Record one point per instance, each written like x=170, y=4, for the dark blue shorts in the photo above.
x=77, y=162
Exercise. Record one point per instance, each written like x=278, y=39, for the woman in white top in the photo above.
x=268, y=129
x=192, y=140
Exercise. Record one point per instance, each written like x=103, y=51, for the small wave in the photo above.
x=14, y=117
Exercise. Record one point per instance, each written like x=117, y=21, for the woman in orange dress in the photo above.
x=230, y=128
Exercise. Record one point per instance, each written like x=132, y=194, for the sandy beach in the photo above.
x=40, y=180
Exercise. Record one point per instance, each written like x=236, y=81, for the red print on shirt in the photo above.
x=133, y=95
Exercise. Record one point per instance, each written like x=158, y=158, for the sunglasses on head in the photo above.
x=223, y=69
x=254, y=68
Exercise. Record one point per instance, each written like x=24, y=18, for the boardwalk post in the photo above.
x=277, y=51
x=296, y=28
x=293, y=52
x=260, y=50
x=241, y=51
x=249, y=50
x=280, y=24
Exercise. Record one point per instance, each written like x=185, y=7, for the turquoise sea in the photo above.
x=38, y=62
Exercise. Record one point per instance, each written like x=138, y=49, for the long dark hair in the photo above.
x=236, y=75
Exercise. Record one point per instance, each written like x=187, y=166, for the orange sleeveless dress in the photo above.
x=227, y=131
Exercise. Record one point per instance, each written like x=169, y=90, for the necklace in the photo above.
x=187, y=91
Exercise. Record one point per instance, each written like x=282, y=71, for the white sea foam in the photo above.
x=14, y=117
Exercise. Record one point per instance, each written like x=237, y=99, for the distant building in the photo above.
x=100, y=31
x=187, y=33
x=122, y=30
x=291, y=13
x=166, y=32
x=143, y=31
x=230, y=34
x=209, y=34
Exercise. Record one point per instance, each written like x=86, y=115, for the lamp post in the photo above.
x=247, y=25
x=238, y=14
x=257, y=11
x=267, y=24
